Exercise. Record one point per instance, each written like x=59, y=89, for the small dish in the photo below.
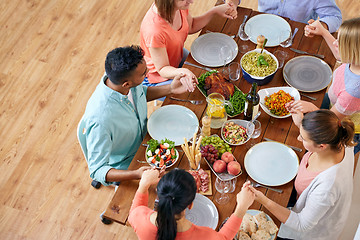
x=266, y=92
x=225, y=134
x=166, y=166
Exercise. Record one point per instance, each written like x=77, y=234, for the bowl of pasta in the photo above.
x=273, y=100
x=259, y=67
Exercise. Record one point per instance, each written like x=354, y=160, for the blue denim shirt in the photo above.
x=304, y=10
x=115, y=129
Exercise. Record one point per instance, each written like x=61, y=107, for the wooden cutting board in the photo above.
x=208, y=192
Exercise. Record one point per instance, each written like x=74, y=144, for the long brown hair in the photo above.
x=349, y=43
x=324, y=127
x=166, y=9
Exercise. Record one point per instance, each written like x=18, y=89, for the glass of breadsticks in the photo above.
x=193, y=152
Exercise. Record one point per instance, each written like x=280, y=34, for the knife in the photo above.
x=197, y=66
x=292, y=147
x=303, y=52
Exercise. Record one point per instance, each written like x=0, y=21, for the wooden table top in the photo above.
x=281, y=130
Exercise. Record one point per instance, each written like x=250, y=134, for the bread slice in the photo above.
x=243, y=236
x=261, y=220
x=248, y=224
x=261, y=235
x=272, y=228
x=264, y=224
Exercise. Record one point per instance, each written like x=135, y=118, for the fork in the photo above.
x=260, y=185
x=195, y=102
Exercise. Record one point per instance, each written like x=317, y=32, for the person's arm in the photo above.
x=280, y=212
x=197, y=23
x=99, y=146
x=316, y=28
x=116, y=175
x=244, y=199
x=319, y=201
x=179, y=85
x=329, y=14
x=161, y=61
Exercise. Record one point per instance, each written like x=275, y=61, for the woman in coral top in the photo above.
x=324, y=182
x=176, y=191
x=163, y=32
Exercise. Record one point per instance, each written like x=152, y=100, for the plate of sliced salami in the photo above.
x=203, y=181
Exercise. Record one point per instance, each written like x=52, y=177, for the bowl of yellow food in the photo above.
x=259, y=67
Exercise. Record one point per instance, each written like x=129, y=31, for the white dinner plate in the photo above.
x=206, y=49
x=307, y=73
x=203, y=213
x=268, y=91
x=271, y=163
x=269, y=25
x=173, y=122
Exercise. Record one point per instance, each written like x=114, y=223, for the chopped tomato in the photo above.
x=161, y=162
x=172, y=152
x=162, y=146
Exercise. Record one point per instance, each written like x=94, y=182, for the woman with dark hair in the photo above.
x=176, y=191
x=163, y=32
x=324, y=182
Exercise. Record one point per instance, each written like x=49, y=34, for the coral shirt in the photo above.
x=139, y=218
x=156, y=32
x=304, y=176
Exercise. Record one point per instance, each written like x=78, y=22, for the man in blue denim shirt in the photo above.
x=305, y=11
x=116, y=114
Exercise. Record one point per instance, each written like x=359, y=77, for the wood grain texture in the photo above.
x=51, y=59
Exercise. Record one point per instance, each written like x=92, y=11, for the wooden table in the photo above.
x=281, y=130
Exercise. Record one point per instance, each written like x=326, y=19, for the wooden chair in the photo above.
x=81, y=131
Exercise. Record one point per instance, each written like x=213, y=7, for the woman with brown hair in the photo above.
x=324, y=182
x=163, y=32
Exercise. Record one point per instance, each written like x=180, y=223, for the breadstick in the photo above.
x=193, y=145
x=198, y=144
x=198, y=159
x=186, y=142
x=188, y=155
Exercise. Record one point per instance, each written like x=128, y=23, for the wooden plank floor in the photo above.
x=51, y=59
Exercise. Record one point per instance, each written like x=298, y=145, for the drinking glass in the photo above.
x=234, y=71
x=281, y=57
x=223, y=187
x=285, y=39
x=257, y=129
x=256, y=133
x=242, y=34
x=225, y=55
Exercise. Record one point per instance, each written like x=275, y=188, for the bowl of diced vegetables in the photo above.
x=236, y=131
x=161, y=153
x=273, y=100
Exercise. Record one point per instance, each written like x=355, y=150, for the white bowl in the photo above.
x=153, y=165
x=268, y=91
x=249, y=126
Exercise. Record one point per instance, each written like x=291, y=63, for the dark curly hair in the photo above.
x=121, y=62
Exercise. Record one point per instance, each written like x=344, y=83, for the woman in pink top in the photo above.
x=343, y=96
x=176, y=191
x=163, y=32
